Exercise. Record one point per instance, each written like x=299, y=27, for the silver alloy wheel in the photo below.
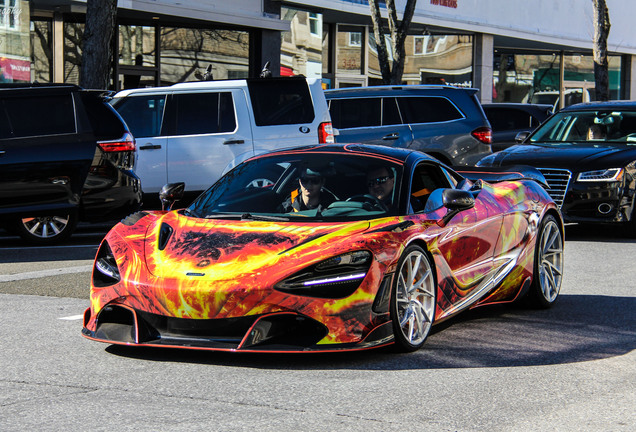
x=550, y=260
x=46, y=227
x=415, y=297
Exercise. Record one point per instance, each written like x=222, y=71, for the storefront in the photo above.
x=512, y=51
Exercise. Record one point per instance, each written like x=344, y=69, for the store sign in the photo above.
x=14, y=70
x=445, y=3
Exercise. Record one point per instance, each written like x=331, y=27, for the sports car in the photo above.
x=326, y=248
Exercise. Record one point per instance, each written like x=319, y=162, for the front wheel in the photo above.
x=412, y=300
x=548, y=264
x=43, y=230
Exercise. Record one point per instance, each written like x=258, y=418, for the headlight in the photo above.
x=336, y=277
x=604, y=175
x=105, y=271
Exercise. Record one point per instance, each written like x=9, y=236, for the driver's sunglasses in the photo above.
x=378, y=181
x=310, y=180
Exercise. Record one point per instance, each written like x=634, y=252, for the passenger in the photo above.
x=596, y=132
x=309, y=195
x=380, y=182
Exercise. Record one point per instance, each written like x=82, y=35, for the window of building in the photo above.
x=9, y=14
x=355, y=39
x=315, y=27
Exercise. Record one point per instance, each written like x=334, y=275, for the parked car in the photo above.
x=509, y=119
x=446, y=122
x=238, y=271
x=65, y=155
x=193, y=132
x=587, y=153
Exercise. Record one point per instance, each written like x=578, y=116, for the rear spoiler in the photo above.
x=509, y=173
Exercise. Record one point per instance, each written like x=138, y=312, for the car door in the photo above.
x=466, y=244
x=44, y=159
x=369, y=120
x=208, y=132
x=144, y=116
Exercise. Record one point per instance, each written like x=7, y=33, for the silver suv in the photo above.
x=446, y=122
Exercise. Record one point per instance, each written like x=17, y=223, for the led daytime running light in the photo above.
x=337, y=279
x=603, y=175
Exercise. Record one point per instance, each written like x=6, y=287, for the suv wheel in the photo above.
x=43, y=230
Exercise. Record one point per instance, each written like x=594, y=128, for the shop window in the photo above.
x=41, y=51
x=301, y=51
x=73, y=35
x=349, y=52
x=137, y=45
x=186, y=53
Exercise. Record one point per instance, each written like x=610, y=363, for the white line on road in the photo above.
x=72, y=318
x=45, y=273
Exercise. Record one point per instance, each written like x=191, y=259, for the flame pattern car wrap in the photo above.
x=184, y=280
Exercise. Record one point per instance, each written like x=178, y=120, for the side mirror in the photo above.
x=455, y=200
x=521, y=136
x=170, y=193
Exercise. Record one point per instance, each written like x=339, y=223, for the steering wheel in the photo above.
x=371, y=200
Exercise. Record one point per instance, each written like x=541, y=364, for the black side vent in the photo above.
x=164, y=235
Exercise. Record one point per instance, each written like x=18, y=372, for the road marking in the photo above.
x=45, y=273
x=72, y=318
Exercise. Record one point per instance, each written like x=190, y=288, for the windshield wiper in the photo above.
x=249, y=216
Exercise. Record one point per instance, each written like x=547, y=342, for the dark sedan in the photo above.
x=587, y=153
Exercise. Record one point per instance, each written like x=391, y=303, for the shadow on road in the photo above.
x=597, y=232
x=579, y=328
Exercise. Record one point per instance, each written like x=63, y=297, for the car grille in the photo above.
x=558, y=180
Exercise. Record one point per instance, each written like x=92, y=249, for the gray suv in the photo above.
x=446, y=122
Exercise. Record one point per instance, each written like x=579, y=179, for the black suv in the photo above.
x=65, y=155
x=444, y=121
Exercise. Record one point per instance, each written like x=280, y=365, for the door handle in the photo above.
x=150, y=147
x=234, y=141
x=391, y=136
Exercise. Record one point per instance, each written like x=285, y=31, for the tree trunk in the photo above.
x=97, y=43
x=601, y=32
x=392, y=73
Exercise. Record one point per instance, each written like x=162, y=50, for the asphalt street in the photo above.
x=570, y=368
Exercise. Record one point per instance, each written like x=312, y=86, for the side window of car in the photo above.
x=390, y=112
x=356, y=112
x=428, y=109
x=143, y=114
x=426, y=179
x=203, y=113
x=39, y=116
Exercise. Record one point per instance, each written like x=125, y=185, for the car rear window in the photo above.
x=502, y=119
x=281, y=102
x=37, y=115
x=428, y=109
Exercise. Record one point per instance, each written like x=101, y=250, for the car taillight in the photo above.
x=325, y=133
x=125, y=143
x=483, y=134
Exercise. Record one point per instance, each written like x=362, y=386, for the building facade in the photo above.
x=512, y=51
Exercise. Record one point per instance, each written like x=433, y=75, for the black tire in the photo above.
x=413, y=300
x=45, y=230
x=548, y=265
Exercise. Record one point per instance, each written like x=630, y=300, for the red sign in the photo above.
x=14, y=70
x=446, y=3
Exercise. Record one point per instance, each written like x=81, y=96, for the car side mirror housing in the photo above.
x=170, y=193
x=455, y=200
x=521, y=136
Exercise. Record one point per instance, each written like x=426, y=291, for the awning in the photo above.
x=14, y=70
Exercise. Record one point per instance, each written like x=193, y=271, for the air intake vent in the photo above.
x=558, y=180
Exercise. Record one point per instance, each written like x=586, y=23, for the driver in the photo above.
x=309, y=195
x=380, y=181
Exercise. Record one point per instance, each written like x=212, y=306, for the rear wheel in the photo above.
x=46, y=229
x=412, y=300
x=548, y=264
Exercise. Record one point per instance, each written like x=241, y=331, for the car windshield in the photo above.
x=314, y=186
x=589, y=127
